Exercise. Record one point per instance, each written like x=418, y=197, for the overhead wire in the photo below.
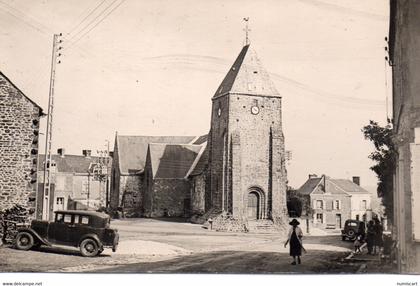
x=87, y=16
x=93, y=21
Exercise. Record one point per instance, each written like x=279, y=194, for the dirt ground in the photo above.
x=162, y=246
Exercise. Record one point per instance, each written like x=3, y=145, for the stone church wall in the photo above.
x=131, y=194
x=170, y=197
x=198, y=189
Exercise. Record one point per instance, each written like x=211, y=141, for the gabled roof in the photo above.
x=132, y=150
x=3, y=77
x=333, y=186
x=69, y=163
x=309, y=186
x=172, y=160
x=349, y=187
x=247, y=76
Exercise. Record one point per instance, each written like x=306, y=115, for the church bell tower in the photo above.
x=247, y=156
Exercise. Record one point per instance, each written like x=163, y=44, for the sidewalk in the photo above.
x=371, y=263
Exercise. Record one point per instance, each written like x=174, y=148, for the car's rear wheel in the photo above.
x=89, y=247
x=24, y=241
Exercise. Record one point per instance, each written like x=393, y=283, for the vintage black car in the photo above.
x=88, y=230
x=352, y=228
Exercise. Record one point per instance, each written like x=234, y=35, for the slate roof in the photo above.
x=69, y=163
x=334, y=186
x=201, y=164
x=132, y=150
x=201, y=140
x=349, y=187
x=172, y=160
x=247, y=76
x=3, y=77
x=309, y=186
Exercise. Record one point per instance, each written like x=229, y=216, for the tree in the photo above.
x=384, y=157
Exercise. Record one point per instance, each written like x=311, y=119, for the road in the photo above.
x=159, y=246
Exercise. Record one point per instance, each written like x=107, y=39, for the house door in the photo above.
x=253, y=205
x=338, y=221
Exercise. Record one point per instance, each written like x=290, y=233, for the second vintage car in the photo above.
x=353, y=228
x=88, y=230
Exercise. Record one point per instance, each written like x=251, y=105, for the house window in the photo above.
x=336, y=205
x=364, y=205
x=60, y=201
x=319, y=218
x=319, y=204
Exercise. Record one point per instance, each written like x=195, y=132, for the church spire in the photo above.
x=247, y=76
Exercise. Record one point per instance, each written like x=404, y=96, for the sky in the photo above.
x=140, y=67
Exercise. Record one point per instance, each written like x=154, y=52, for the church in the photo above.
x=237, y=169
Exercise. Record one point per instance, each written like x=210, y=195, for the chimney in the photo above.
x=86, y=153
x=356, y=180
x=312, y=176
x=61, y=152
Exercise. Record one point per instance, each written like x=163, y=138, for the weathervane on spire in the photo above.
x=246, y=31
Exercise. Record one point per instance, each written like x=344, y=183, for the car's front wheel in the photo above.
x=24, y=241
x=89, y=247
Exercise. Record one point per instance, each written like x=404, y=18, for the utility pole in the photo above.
x=46, y=194
x=107, y=175
x=246, y=31
x=103, y=174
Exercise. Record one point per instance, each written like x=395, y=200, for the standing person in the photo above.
x=370, y=236
x=379, y=230
x=294, y=238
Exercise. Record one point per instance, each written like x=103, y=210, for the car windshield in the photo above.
x=352, y=223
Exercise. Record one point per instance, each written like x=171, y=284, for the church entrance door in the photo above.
x=253, y=205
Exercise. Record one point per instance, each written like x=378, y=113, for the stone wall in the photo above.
x=19, y=129
x=198, y=189
x=169, y=197
x=260, y=149
x=247, y=154
x=131, y=194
